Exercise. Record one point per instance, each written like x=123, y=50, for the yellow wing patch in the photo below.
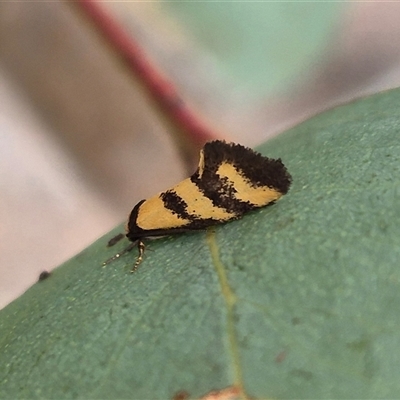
x=257, y=196
x=201, y=163
x=199, y=205
x=152, y=214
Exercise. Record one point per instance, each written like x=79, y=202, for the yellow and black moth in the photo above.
x=230, y=180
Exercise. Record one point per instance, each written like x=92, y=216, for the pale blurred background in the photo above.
x=80, y=144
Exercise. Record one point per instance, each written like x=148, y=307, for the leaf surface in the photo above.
x=297, y=300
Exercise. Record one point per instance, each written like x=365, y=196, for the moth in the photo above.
x=229, y=181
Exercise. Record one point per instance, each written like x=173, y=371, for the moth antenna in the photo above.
x=141, y=248
x=118, y=255
x=115, y=239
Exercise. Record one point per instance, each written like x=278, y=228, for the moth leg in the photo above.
x=121, y=253
x=141, y=248
x=115, y=239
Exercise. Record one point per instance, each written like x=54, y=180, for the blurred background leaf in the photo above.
x=262, y=46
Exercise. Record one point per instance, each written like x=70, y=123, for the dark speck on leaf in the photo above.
x=181, y=395
x=44, y=275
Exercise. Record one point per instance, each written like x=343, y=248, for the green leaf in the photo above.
x=297, y=300
x=263, y=46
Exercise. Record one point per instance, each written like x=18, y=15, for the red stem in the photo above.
x=160, y=88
